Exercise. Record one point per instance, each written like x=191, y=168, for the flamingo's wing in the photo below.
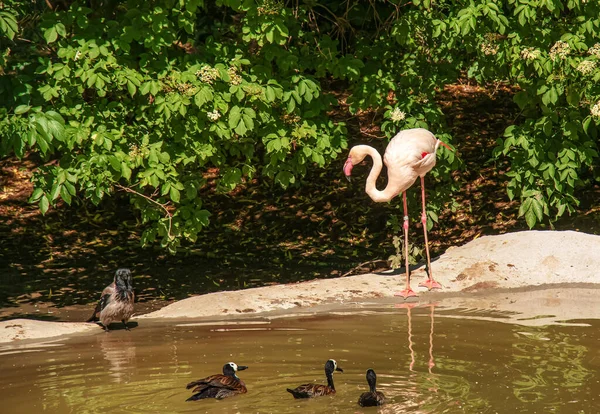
x=414, y=148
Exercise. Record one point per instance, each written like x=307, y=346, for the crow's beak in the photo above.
x=339, y=369
x=242, y=367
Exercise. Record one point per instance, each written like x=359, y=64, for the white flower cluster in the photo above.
x=135, y=151
x=530, y=53
x=208, y=74
x=214, y=115
x=595, y=111
x=586, y=67
x=489, y=48
x=233, y=75
x=595, y=50
x=269, y=7
x=397, y=115
x=560, y=50
x=186, y=88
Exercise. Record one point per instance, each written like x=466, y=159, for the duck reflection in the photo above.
x=120, y=353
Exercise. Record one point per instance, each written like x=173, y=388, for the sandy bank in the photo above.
x=512, y=260
x=515, y=260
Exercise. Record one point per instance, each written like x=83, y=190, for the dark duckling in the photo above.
x=116, y=301
x=318, y=390
x=373, y=397
x=219, y=386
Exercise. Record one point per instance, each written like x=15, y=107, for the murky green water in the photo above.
x=428, y=360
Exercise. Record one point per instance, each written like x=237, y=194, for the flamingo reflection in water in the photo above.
x=414, y=396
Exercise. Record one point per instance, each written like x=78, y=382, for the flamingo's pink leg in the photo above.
x=407, y=292
x=430, y=283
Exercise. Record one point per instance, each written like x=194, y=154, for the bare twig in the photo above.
x=162, y=206
x=49, y=5
x=361, y=265
x=371, y=135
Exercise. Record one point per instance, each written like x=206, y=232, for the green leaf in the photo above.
x=536, y=206
x=8, y=24
x=21, y=109
x=35, y=196
x=125, y=171
x=174, y=194
x=270, y=94
x=51, y=34
x=202, y=216
x=241, y=129
x=55, y=191
x=115, y=163
x=61, y=30
x=44, y=204
x=586, y=124
x=234, y=117
x=530, y=218
x=64, y=193
x=131, y=88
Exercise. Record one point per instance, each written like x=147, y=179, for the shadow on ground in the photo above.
x=260, y=234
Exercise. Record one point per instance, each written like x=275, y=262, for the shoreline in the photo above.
x=548, y=271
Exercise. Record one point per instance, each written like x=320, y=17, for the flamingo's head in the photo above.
x=348, y=168
x=355, y=157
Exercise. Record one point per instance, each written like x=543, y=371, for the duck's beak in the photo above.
x=348, y=168
x=339, y=369
x=242, y=367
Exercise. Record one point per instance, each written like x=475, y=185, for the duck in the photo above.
x=373, y=397
x=116, y=301
x=318, y=390
x=219, y=386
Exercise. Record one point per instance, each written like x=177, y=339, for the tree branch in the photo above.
x=361, y=265
x=162, y=206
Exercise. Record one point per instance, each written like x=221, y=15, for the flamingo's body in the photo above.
x=409, y=155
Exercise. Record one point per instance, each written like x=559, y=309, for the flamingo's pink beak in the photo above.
x=348, y=168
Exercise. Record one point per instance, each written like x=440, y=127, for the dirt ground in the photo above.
x=53, y=267
x=534, y=277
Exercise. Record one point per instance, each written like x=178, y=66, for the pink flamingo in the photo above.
x=410, y=154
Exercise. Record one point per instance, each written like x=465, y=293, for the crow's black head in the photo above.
x=123, y=282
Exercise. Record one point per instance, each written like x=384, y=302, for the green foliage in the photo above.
x=146, y=97
x=549, y=50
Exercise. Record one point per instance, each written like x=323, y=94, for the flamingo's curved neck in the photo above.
x=393, y=187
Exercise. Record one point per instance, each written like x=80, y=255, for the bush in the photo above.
x=144, y=97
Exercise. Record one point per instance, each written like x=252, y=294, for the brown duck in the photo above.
x=318, y=390
x=373, y=397
x=219, y=386
x=116, y=301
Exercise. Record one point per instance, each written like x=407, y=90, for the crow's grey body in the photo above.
x=116, y=301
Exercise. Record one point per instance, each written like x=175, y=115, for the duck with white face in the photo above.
x=318, y=390
x=219, y=386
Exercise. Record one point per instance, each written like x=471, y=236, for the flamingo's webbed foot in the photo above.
x=406, y=293
x=430, y=284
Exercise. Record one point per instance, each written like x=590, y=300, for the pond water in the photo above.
x=428, y=360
